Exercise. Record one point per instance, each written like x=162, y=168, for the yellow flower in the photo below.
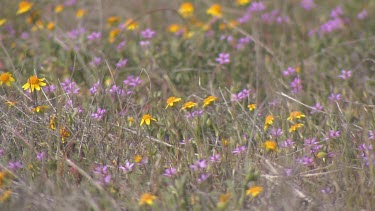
x=6, y=78
x=113, y=34
x=59, y=8
x=242, y=2
x=270, y=145
x=64, y=133
x=268, y=121
x=174, y=28
x=23, y=7
x=10, y=103
x=40, y=109
x=112, y=20
x=223, y=200
x=52, y=123
x=252, y=106
x=80, y=13
x=34, y=83
x=137, y=158
x=209, y=100
x=186, y=10
x=295, y=115
x=225, y=142
x=2, y=21
x=188, y=105
x=6, y=195
x=131, y=24
x=254, y=191
x=130, y=121
x=295, y=127
x=171, y=101
x=147, y=198
x=147, y=119
x=215, y=11
x=298, y=69
x=50, y=25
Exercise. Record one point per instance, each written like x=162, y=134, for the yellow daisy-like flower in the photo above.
x=270, y=145
x=188, y=105
x=147, y=198
x=2, y=21
x=34, y=83
x=137, y=158
x=215, y=11
x=252, y=106
x=295, y=127
x=254, y=191
x=242, y=2
x=40, y=109
x=209, y=100
x=64, y=133
x=6, y=78
x=80, y=13
x=268, y=121
x=223, y=200
x=113, y=34
x=59, y=8
x=131, y=24
x=174, y=28
x=130, y=120
x=171, y=101
x=111, y=21
x=24, y=6
x=50, y=25
x=186, y=10
x=147, y=118
x=295, y=115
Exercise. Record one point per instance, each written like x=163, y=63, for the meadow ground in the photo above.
x=201, y=105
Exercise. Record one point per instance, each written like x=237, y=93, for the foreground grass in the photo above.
x=172, y=106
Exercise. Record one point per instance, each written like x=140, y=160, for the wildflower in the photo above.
x=41, y=155
x=203, y=177
x=131, y=24
x=215, y=11
x=225, y=142
x=128, y=167
x=11, y=103
x=6, y=78
x=241, y=95
x=103, y=173
x=296, y=85
x=215, y=158
x=70, y=87
x=223, y=58
x=223, y=200
x=308, y=4
x=138, y=158
x=52, y=123
x=5, y=196
x=146, y=118
x=64, y=133
x=172, y=100
x=268, y=121
x=15, y=165
x=121, y=63
x=334, y=97
x=194, y=114
x=113, y=34
x=336, y=12
x=130, y=121
x=270, y=145
x=209, y=100
x=316, y=108
x=170, y=172
x=94, y=36
x=288, y=143
x=188, y=105
x=2, y=21
x=99, y=113
x=295, y=127
x=306, y=161
x=254, y=191
x=256, y=7
x=276, y=132
x=80, y=13
x=24, y=6
x=34, y=83
x=112, y=20
x=94, y=88
x=186, y=10
x=345, y=74
x=174, y=28
x=40, y=109
x=295, y=115
x=50, y=25
x=362, y=15
x=147, y=198
x=252, y=106
x=147, y=34
x=239, y=150
x=242, y=2
x=59, y=8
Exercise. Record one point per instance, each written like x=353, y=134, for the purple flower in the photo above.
x=1, y=152
x=144, y=43
x=215, y=158
x=308, y=4
x=41, y=155
x=127, y=167
x=276, y=132
x=243, y=41
x=121, y=63
x=170, y=172
x=99, y=114
x=96, y=61
x=256, y=7
x=296, y=85
x=334, y=97
x=94, y=88
x=70, y=87
x=244, y=19
x=203, y=177
x=49, y=89
x=147, y=34
x=14, y=166
x=345, y=74
x=194, y=114
x=287, y=143
x=241, y=95
x=331, y=25
x=333, y=134
x=362, y=15
x=132, y=81
x=239, y=150
x=371, y=135
x=75, y=33
x=70, y=2
x=306, y=161
x=121, y=45
x=94, y=36
x=326, y=190
x=115, y=90
x=25, y=35
x=202, y=164
x=103, y=174
x=223, y=58
x=337, y=12
x=316, y=108
x=315, y=146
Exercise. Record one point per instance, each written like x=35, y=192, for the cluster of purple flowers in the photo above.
x=132, y=81
x=121, y=63
x=367, y=153
x=312, y=144
x=128, y=167
x=103, y=174
x=69, y=87
x=316, y=108
x=238, y=150
x=288, y=144
x=147, y=35
x=296, y=85
x=274, y=16
x=334, y=97
x=223, y=58
x=241, y=95
x=75, y=33
x=345, y=74
x=99, y=114
x=94, y=88
x=94, y=36
x=308, y=4
x=193, y=114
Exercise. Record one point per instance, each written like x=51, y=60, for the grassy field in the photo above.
x=201, y=105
